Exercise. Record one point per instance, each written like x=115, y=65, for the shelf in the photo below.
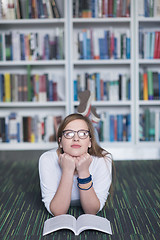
x=149, y=19
x=108, y=103
x=102, y=62
x=108, y=145
x=149, y=61
x=32, y=104
x=147, y=144
x=27, y=146
x=101, y=20
x=34, y=63
x=32, y=21
x=149, y=103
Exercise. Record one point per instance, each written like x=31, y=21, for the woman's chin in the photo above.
x=75, y=153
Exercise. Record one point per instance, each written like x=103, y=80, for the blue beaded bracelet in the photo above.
x=84, y=188
x=84, y=180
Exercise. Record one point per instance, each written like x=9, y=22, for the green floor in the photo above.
x=134, y=212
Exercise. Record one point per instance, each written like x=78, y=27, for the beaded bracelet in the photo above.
x=84, y=188
x=84, y=180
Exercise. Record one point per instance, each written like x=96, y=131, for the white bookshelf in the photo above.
x=71, y=66
x=105, y=65
x=57, y=67
x=147, y=24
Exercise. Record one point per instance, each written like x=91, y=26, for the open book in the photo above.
x=83, y=222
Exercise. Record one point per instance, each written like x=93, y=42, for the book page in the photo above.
x=64, y=221
x=89, y=221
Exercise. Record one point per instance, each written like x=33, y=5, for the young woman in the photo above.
x=78, y=172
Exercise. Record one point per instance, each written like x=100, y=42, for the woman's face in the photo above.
x=76, y=146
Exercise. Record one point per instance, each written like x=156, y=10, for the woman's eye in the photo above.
x=81, y=134
x=70, y=134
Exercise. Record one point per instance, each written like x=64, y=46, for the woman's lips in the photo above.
x=75, y=146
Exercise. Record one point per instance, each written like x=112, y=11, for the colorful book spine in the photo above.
x=33, y=46
x=150, y=85
x=103, y=44
x=15, y=128
x=104, y=89
x=149, y=8
x=7, y=87
x=30, y=9
x=29, y=87
x=98, y=89
x=101, y=8
x=115, y=127
x=149, y=125
x=145, y=87
x=149, y=42
x=75, y=91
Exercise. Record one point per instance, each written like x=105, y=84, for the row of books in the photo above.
x=102, y=89
x=114, y=127
x=101, y=8
x=103, y=44
x=149, y=85
x=149, y=8
x=23, y=87
x=34, y=129
x=149, y=125
x=19, y=9
x=31, y=46
x=149, y=44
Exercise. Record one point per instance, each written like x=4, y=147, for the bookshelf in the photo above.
x=147, y=67
x=118, y=68
x=36, y=65
x=108, y=67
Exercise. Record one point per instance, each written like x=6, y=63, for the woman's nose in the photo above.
x=75, y=138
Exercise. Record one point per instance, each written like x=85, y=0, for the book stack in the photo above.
x=15, y=46
x=19, y=9
x=102, y=44
x=149, y=8
x=149, y=85
x=33, y=129
x=101, y=8
x=113, y=88
x=26, y=87
x=149, y=44
x=149, y=125
x=114, y=127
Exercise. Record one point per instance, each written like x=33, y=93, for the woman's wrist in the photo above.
x=68, y=173
x=83, y=174
x=84, y=183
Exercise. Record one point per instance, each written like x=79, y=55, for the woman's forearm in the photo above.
x=89, y=201
x=61, y=201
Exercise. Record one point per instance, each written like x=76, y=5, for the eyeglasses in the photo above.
x=82, y=134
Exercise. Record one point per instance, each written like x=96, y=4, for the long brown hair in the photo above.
x=95, y=149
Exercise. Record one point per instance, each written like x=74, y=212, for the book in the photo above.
x=150, y=85
x=2, y=129
x=7, y=87
x=83, y=222
x=156, y=86
x=55, y=9
x=145, y=87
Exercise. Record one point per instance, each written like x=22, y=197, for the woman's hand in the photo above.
x=67, y=163
x=82, y=165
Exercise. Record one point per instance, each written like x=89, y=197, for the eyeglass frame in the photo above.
x=76, y=132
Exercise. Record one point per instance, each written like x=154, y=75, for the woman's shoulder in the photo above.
x=48, y=156
x=102, y=162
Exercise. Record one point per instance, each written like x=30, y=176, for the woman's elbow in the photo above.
x=58, y=211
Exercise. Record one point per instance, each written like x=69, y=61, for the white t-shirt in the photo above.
x=50, y=175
